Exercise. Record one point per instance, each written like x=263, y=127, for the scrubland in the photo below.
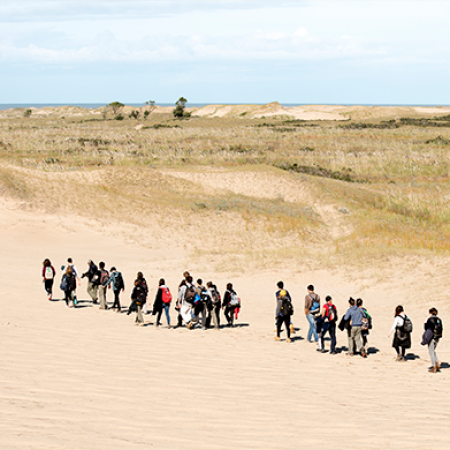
x=262, y=191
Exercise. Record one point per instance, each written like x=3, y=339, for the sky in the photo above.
x=225, y=51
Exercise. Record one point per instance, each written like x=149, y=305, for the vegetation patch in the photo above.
x=318, y=171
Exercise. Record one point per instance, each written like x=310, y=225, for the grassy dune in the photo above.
x=286, y=189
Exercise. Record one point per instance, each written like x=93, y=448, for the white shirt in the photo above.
x=398, y=322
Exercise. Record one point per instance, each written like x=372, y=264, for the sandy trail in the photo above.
x=89, y=379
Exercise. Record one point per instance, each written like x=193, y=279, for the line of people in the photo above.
x=197, y=306
x=357, y=322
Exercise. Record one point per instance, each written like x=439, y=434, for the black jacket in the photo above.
x=92, y=271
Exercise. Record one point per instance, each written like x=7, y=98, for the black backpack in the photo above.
x=438, y=328
x=118, y=283
x=286, y=307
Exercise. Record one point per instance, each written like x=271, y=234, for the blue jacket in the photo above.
x=355, y=315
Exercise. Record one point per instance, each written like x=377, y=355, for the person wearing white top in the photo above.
x=402, y=340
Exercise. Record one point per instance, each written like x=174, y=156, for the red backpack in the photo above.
x=166, y=295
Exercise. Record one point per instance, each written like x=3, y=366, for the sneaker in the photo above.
x=333, y=353
x=288, y=340
x=292, y=329
x=433, y=370
x=277, y=338
x=438, y=365
x=363, y=354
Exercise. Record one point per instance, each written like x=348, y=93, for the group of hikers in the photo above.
x=356, y=322
x=197, y=306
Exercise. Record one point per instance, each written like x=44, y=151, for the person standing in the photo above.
x=355, y=315
x=201, y=305
x=312, y=310
x=364, y=330
x=104, y=277
x=283, y=312
x=329, y=319
x=118, y=286
x=434, y=325
x=93, y=281
x=188, y=293
x=77, y=278
x=162, y=302
x=402, y=337
x=48, y=277
x=230, y=302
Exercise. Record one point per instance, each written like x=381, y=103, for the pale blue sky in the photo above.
x=237, y=51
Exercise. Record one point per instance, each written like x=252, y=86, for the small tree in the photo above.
x=179, y=109
x=151, y=107
x=116, y=107
x=27, y=113
x=134, y=115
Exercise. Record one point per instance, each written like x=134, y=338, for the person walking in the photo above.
x=216, y=304
x=104, y=277
x=283, y=311
x=355, y=315
x=93, y=281
x=77, y=278
x=402, y=337
x=118, y=286
x=188, y=293
x=68, y=286
x=230, y=303
x=203, y=299
x=139, y=297
x=48, y=277
x=367, y=322
x=434, y=326
x=329, y=319
x=312, y=310
x=162, y=302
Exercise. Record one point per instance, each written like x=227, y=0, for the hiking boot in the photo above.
x=363, y=354
x=288, y=340
x=438, y=365
x=433, y=370
x=277, y=338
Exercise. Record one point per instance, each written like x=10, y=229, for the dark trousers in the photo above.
x=116, y=303
x=229, y=314
x=287, y=321
x=48, y=284
x=203, y=310
x=329, y=328
x=400, y=350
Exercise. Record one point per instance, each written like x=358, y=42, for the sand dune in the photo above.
x=84, y=379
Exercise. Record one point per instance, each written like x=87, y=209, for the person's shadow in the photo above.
x=411, y=357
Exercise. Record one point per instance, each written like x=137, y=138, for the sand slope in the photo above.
x=89, y=379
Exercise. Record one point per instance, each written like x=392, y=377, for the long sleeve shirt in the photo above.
x=355, y=315
x=398, y=322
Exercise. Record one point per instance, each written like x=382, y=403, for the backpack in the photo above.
x=140, y=295
x=365, y=320
x=189, y=295
x=104, y=277
x=118, y=282
x=166, y=295
x=64, y=283
x=234, y=300
x=286, y=307
x=216, y=297
x=331, y=315
x=407, y=325
x=48, y=275
x=96, y=278
x=438, y=328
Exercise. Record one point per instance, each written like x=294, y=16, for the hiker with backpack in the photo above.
x=93, y=281
x=402, y=329
x=283, y=312
x=355, y=315
x=77, y=278
x=329, y=319
x=104, y=277
x=230, y=303
x=434, y=330
x=202, y=302
x=48, y=277
x=139, y=298
x=188, y=293
x=162, y=302
x=216, y=305
x=68, y=286
x=118, y=286
x=312, y=312
x=366, y=322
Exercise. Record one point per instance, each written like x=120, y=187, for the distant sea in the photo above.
x=189, y=105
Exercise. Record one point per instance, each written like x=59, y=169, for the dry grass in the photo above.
x=401, y=205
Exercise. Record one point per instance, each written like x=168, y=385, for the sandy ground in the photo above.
x=89, y=379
